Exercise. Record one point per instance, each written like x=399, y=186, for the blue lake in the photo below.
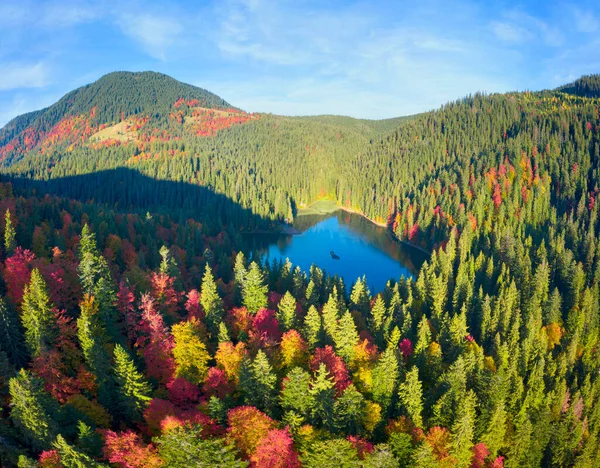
x=362, y=247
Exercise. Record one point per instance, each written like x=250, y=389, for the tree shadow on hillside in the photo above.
x=127, y=190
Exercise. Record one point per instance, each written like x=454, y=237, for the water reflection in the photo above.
x=363, y=249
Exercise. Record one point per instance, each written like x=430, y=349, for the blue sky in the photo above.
x=371, y=59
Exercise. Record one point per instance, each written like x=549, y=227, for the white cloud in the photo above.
x=19, y=75
x=154, y=33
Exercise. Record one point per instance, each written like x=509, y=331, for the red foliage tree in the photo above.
x=217, y=384
x=247, y=426
x=164, y=294
x=406, y=348
x=156, y=343
x=265, y=328
x=125, y=449
x=276, y=450
x=192, y=306
x=183, y=393
x=497, y=196
x=17, y=270
x=362, y=446
x=334, y=364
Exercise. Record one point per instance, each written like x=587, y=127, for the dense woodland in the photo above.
x=137, y=333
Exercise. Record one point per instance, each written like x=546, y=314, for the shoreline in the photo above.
x=288, y=229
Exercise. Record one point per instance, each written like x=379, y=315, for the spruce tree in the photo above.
x=30, y=410
x=385, y=378
x=10, y=235
x=254, y=291
x=286, y=312
x=211, y=302
x=37, y=315
x=71, y=457
x=295, y=395
x=313, y=327
x=11, y=335
x=259, y=383
x=463, y=431
x=322, y=389
x=411, y=396
x=346, y=337
x=132, y=389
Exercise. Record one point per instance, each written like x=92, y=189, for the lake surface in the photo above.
x=363, y=248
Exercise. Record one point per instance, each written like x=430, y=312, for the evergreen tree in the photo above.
x=385, y=378
x=286, y=312
x=346, y=337
x=348, y=411
x=259, y=383
x=295, y=395
x=411, y=396
x=313, y=327
x=11, y=335
x=37, y=315
x=463, y=431
x=10, y=235
x=254, y=291
x=184, y=447
x=30, y=411
x=211, y=302
x=71, y=457
x=322, y=390
x=133, y=390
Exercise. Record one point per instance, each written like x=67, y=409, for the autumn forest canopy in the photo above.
x=139, y=330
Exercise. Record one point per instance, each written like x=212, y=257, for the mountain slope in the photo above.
x=586, y=86
x=111, y=99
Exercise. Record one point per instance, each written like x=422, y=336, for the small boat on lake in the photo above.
x=333, y=255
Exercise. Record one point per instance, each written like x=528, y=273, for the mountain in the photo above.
x=586, y=86
x=113, y=98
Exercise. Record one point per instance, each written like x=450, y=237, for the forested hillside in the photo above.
x=136, y=333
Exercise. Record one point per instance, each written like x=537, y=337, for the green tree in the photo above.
x=346, y=337
x=71, y=457
x=259, y=383
x=295, y=395
x=313, y=327
x=411, y=396
x=10, y=235
x=30, y=410
x=385, y=379
x=133, y=390
x=286, y=311
x=254, y=291
x=463, y=430
x=322, y=389
x=334, y=452
x=211, y=302
x=186, y=446
x=348, y=411
x=37, y=315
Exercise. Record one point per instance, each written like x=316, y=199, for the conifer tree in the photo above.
x=30, y=410
x=385, y=378
x=254, y=291
x=346, y=337
x=411, y=396
x=71, y=457
x=133, y=390
x=313, y=326
x=348, y=411
x=239, y=273
x=322, y=389
x=295, y=395
x=11, y=335
x=259, y=383
x=10, y=235
x=286, y=311
x=37, y=315
x=211, y=302
x=463, y=430
x=92, y=340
